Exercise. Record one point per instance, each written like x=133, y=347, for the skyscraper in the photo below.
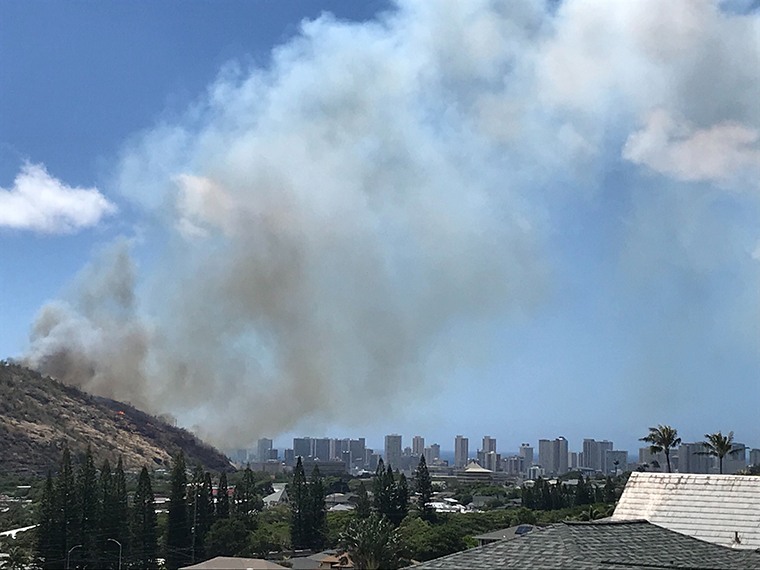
x=461, y=451
x=263, y=447
x=393, y=449
x=489, y=444
x=418, y=445
x=303, y=447
x=526, y=452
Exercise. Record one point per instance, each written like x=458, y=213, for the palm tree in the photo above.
x=662, y=438
x=372, y=543
x=719, y=445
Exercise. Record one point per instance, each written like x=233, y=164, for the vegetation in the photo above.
x=662, y=438
x=719, y=445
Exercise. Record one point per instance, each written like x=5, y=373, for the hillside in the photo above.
x=39, y=415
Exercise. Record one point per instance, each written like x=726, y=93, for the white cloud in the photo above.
x=41, y=203
x=724, y=152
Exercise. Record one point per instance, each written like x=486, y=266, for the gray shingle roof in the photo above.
x=596, y=546
x=714, y=508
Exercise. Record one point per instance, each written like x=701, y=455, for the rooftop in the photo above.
x=600, y=545
x=722, y=509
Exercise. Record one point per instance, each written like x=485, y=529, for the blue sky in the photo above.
x=343, y=219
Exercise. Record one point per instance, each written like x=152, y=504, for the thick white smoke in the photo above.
x=334, y=219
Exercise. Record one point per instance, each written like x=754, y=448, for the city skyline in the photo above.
x=522, y=219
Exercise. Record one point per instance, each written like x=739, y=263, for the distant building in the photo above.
x=461, y=451
x=736, y=460
x=594, y=454
x=553, y=455
x=393, y=447
x=526, y=452
x=303, y=447
x=754, y=457
x=263, y=447
x=692, y=458
x=321, y=449
x=616, y=461
x=418, y=445
x=652, y=461
x=489, y=444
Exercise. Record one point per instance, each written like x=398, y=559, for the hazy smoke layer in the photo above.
x=336, y=220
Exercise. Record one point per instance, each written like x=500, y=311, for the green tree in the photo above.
x=317, y=515
x=363, y=508
x=372, y=543
x=662, y=438
x=201, y=511
x=299, y=507
x=144, y=529
x=400, y=502
x=226, y=537
x=222, y=498
x=609, y=491
x=583, y=492
x=88, y=510
x=120, y=502
x=107, y=525
x=67, y=512
x=178, y=538
x=47, y=547
x=423, y=485
x=719, y=445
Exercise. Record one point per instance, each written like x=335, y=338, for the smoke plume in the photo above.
x=327, y=226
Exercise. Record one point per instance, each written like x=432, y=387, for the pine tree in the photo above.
x=423, y=485
x=583, y=492
x=107, y=525
x=144, y=531
x=66, y=520
x=88, y=499
x=120, y=503
x=48, y=538
x=222, y=499
x=400, y=502
x=200, y=509
x=363, y=508
x=178, y=537
x=299, y=507
x=377, y=486
x=609, y=490
x=317, y=522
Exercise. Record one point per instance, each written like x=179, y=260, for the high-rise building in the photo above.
x=322, y=449
x=594, y=454
x=553, y=455
x=736, y=460
x=546, y=455
x=303, y=447
x=526, y=452
x=263, y=447
x=754, y=457
x=435, y=451
x=357, y=447
x=461, y=451
x=489, y=444
x=418, y=445
x=652, y=461
x=560, y=455
x=615, y=461
x=692, y=458
x=393, y=449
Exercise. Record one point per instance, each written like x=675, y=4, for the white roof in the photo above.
x=713, y=508
x=475, y=468
x=15, y=531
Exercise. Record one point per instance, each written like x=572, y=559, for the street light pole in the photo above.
x=68, y=554
x=119, y=543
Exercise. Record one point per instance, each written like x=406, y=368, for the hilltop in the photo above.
x=39, y=415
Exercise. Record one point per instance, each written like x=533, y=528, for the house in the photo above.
x=279, y=497
x=600, y=546
x=326, y=560
x=504, y=534
x=722, y=509
x=233, y=563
